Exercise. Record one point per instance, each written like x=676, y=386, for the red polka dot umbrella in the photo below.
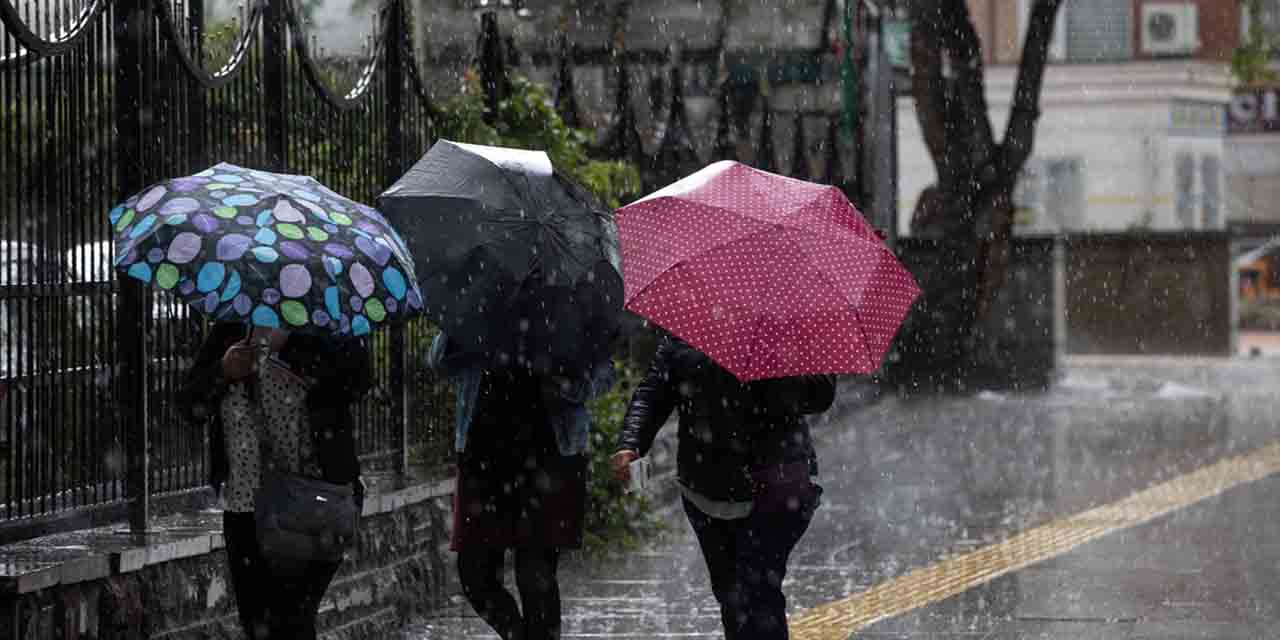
x=769, y=276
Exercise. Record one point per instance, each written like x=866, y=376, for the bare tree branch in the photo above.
x=722, y=26
x=965, y=52
x=970, y=207
x=618, y=25
x=928, y=85
x=1019, y=136
x=824, y=38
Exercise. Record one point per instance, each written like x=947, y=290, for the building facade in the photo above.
x=1253, y=127
x=1133, y=130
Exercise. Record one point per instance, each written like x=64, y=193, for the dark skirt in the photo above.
x=514, y=488
x=538, y=502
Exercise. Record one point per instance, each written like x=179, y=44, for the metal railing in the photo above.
x=99, y=98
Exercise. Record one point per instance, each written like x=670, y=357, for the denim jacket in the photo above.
x=566, y=399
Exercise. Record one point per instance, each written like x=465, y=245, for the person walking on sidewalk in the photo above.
x=746, y=468
x=291, y=395
x=521, y=442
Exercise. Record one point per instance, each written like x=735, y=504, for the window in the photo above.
x=1087, y=30
x=1184, y=176
x=1099, y=30
x=1064, y=192
x=1050, y=195
x=1268, y=14
x=1028, y=200
x=1210, y=199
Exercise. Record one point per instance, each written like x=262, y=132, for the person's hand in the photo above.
x=689, y=361
x=621, y=464
x=239, y=361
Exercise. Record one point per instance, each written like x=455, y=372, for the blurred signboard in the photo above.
x=1196, y=117
x=1254, y=110
x=897, y=43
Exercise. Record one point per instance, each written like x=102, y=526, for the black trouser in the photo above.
x=747, y=559
x=480, y=571
x=270, y=607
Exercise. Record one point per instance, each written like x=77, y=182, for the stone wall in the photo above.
x=1150, y=293
x=1121, y=294
x=1015, y=345
x=1021, y=333
x=99, y=584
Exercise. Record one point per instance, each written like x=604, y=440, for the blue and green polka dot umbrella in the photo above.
x=267, y=249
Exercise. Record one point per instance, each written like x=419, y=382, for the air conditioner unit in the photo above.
x=1170, y=28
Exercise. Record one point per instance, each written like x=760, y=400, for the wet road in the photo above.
x=911, y=484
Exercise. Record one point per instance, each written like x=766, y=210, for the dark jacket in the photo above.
x=341, y=373
x=727, y=429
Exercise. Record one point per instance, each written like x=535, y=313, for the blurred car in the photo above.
x=47, y=337
x=91, y=262
x=29, y=315
x=57, y=370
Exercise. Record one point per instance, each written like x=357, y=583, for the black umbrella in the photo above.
x=515, y=262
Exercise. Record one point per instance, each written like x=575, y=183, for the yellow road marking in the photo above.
x=957, y=574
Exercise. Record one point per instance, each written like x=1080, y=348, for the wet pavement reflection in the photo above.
x=911, y=482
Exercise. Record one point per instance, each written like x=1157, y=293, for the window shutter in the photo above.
x=1210, y=199
x=1099, y=30
x=1065, y=186
x=1185, y=182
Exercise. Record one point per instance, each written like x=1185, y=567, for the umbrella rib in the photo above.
x=851, y=304
x=853, y=308
x=862, y=331
x=767, y=226
x=773, y=283
x=879, y=262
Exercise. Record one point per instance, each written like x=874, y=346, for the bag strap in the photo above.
x=266, y=450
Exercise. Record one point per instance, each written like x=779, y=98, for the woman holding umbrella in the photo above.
x=521, y=442
x=291, y=394
x=293, y=276
x=520, y=268
x=772, y=285
x=746, y=466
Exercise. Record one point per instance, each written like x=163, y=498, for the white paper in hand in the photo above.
x=639, y=470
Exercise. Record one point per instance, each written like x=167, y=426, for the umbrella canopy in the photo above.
x=267, y=249
x=769, y=276
x=515, y=262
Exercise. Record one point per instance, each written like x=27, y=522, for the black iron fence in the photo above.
x=99, y=98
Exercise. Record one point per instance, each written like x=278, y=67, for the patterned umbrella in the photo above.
x=769, y=276
x=267, y=249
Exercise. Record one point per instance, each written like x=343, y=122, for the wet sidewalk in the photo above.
x=975, y=495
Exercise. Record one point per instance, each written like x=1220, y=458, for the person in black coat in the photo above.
x=232, y=384
x=746, y=468
x=521, y=442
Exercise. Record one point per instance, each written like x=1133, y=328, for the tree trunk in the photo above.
x=968, y=212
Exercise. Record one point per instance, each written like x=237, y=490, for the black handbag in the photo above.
x=784, y=488
x=302, y=521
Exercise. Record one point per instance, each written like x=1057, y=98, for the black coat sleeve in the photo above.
x=651, y=404
x=202, y=386
x=202, y=390
x=342, y=371
x=799, y=395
